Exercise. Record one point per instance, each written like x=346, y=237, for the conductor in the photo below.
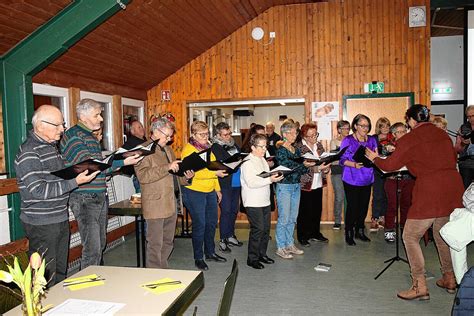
x=428, y=154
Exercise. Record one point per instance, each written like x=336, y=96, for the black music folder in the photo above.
x=195, y=162
x=141, y=150
x=360, y=157
x=326, y=158
x=278, y=170
x=90, y=164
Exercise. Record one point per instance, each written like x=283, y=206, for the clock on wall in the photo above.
x=417, y=16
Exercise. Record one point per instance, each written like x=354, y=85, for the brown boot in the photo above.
x=447, y=282
x=418, y=290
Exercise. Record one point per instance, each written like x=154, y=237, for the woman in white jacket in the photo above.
x=256, y=199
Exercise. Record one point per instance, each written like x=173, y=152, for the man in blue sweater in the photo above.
x=44, y=197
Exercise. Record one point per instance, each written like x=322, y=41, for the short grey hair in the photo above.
x=287, y=126
x=270, y=123
x=160, y=123
x=84, y=106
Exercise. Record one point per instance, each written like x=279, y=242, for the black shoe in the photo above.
x=266, y=259
x=255, y=264
x=350, y=237
x=216, y=258
x=361, y=235
x=304, y=243
x=320, y=238
x=224, y=246
x=201, y=265
x=233, y=241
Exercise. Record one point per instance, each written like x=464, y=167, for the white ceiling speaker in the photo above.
x=257, y=33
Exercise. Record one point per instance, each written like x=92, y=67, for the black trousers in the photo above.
x=357, y=205
x=53, y=241
x=467, y=175
x=309, y=214
x=259, y=219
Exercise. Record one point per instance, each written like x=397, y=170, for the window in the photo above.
x=57, y=96
x=132, y=110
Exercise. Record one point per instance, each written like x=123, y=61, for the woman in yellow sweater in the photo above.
x=201, y=198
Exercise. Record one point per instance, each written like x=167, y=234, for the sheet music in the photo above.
x=85, y=307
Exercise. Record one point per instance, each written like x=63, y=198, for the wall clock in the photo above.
x=417, y=16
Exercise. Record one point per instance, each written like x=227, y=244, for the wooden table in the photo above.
x=126, y=208
x=122, y=285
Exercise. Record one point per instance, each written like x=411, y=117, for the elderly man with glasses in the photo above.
x=161, y=194
x=89, y=202
x=44, y=197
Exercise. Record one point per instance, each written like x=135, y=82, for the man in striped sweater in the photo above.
x=89, y=202
x=44, y=197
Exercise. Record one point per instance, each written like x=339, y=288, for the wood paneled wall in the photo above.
x=321, y=52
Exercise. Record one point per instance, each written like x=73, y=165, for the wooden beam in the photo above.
x=117, y=118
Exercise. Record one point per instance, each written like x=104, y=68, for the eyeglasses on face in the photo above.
x=225, y=134
x=363, y=126
x=261, y=146
x=313, y=136
x=203, y=134
x=167, y=136
x=63, y=124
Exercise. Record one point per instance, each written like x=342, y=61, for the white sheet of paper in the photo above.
x=85, y=307
x=325, y=130
x=280, y=168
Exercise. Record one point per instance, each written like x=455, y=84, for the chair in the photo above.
x=228, y=294
x=229, y=286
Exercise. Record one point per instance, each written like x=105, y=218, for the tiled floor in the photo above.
x=293, y=287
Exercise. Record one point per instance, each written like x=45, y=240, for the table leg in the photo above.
x=143, y=240
x=137, y=239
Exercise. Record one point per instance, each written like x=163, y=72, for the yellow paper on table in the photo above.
x=162, y=288
x=84, y=285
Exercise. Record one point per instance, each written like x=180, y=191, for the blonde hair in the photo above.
x=381, y=122
x=198, y=126
x=440, y=122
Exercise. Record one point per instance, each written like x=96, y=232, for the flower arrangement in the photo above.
x=31, y=283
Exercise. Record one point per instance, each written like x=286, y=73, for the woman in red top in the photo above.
x=428, y=153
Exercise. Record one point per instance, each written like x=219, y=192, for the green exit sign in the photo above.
x=374, y=87
x=442, y=90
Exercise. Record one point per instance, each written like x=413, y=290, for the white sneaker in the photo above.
x=292, y=249
x=281, y=252
x=390, y=236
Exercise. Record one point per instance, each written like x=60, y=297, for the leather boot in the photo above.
x=418, y=290
x=349, y=234
x=447, y=282
x=361, y=235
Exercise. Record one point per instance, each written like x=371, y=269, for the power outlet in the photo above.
x=272, y=34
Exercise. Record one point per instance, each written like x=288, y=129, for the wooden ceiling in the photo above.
x=139, y=47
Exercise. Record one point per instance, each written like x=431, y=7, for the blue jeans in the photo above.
x=90, y=211
x=288, y=201
x=203, y=209
x=229, y=209
x=336, y=180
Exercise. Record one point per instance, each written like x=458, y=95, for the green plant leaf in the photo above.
x=5, y=276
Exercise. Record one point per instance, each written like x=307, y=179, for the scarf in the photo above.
x=198, y=145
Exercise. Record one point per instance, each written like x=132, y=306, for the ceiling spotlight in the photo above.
x=257, y=33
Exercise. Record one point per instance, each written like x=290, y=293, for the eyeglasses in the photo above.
x=63, y=124
x=225, y=135
x=261, y=146
x=398, y=132
x=313, y=136
x=203, y=134
x=167, y=136
x=345, y=128
x=363, y=126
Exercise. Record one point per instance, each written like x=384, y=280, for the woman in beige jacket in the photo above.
x=161, y=195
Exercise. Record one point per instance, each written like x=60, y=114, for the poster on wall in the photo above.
x=325, y=111
x=324, y=130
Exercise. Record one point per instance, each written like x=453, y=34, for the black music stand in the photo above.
x=398, y=176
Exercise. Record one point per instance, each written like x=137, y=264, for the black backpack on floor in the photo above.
x=464, y=301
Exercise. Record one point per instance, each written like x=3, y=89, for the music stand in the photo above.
x=398, y=177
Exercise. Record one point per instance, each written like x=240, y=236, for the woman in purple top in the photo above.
x=357, y=179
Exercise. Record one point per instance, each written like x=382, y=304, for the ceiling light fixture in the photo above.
x=257, y=33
